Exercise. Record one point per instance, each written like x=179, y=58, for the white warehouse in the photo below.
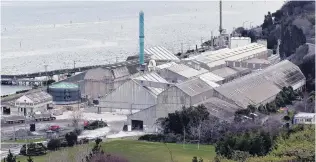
x=188, y=93
x=139, y=92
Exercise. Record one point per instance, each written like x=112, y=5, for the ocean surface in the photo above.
x=55, y=33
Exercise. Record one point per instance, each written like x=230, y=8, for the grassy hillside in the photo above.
x=134, y=151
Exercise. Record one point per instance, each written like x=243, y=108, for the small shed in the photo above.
x=304, y=118
x=30, y=103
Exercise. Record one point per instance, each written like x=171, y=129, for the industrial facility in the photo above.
x=155, y=82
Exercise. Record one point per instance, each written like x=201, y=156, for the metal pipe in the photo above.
x=141, y=37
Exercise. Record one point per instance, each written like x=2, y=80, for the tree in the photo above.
x=30, y=159
x=251, y=108
x=53, y=144
x=10, y=157
x=71, y=138
x=76, y=117
x=180, y=121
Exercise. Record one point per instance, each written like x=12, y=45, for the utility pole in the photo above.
x=183, y=137
x=25, y=112
x=45, y=66
x=201, y=41
x=199, y=135
x=181, y=47
x=74, y=65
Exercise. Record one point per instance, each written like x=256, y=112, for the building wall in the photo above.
x=129, y=95
x=19, y=109
x=252, y=66
x=303, y=120
x=94, y=89
x=148, y=116
x=239, y=42
x=202, y=97
x=171, y=100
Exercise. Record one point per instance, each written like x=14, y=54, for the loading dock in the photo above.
x=137, y=125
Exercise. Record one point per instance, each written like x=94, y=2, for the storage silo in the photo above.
x=64, y=93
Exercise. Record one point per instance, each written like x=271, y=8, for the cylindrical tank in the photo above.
x=64, y=93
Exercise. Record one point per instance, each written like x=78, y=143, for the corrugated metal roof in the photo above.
x=155, y=91
x=152, y=76
x=65, y=85
x=215, y=58
x=166, y=65
x=194, y=86
x=160, y=53
x=186, y=71
x=259, y=86
x=224, y=72
x=211, y=77
x=37, y=97
x=120, y=72
x=220, y=108
x=248, y=53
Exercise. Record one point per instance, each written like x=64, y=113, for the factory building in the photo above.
x=212, y=60
x=64, y=93
x=177, y=73
x=101, y=81
x=262, y=86
x=138, y=93
x=31, y=103
x=188, y=93
x=223, y=100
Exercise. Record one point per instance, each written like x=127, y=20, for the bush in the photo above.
x=152, y=137
x=33, y=149
x=71, y=138
x=54, y=144
x=169, y=138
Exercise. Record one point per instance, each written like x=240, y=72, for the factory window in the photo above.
x=308, y=120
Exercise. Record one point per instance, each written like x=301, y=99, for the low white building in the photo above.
x=31, y=103
x=239, y=42
x=304, y=118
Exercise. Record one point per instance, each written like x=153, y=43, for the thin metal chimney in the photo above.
x=141, y=40
x=220, y=17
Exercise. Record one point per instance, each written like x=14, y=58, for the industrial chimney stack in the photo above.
x=220, y=18
x=141, y=41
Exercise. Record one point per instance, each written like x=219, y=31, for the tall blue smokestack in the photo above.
x=141, y=38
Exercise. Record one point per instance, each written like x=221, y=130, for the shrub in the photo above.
x=152, y=137
x=71, y=138
x=33, y=149
x=54, y=144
